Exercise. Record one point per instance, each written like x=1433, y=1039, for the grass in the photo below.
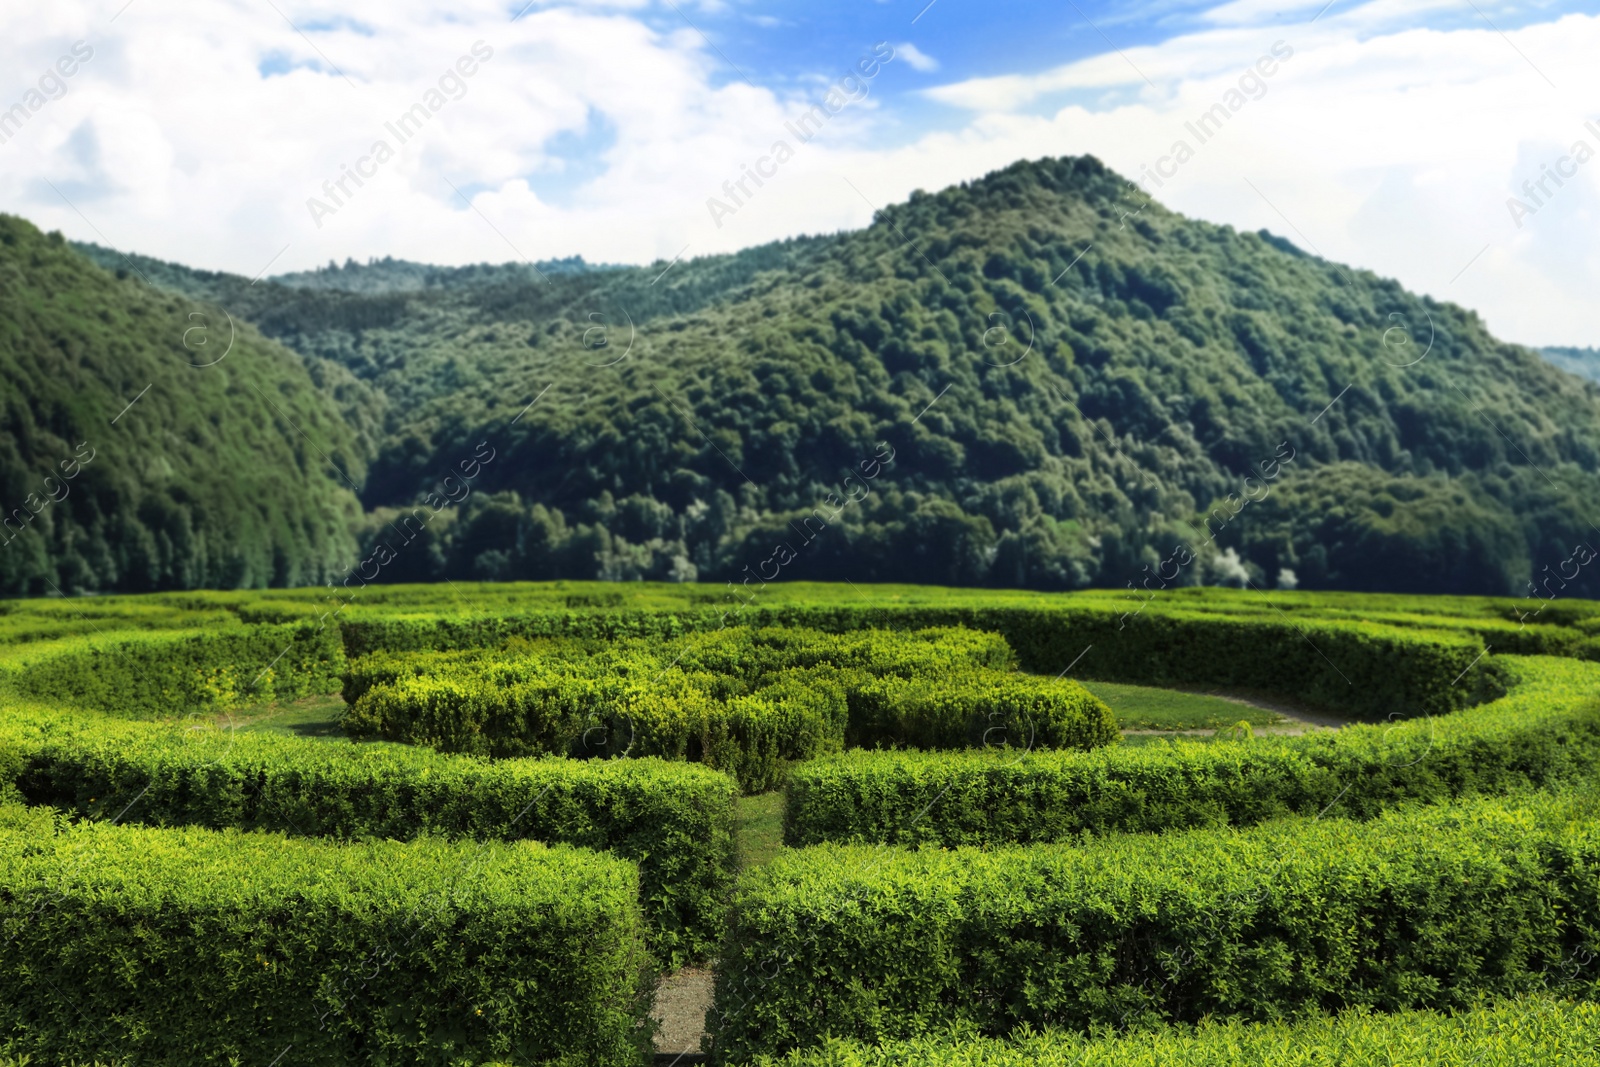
x=1142, y=740
x=758, y=823
x=314, y=717
x=1140, y=707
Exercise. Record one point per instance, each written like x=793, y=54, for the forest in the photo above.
x=1057, y=383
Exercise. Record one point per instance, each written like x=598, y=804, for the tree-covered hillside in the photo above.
x=1073, y=383
x=135, y=454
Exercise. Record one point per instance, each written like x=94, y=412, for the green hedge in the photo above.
x=756, y=736
x=363, y=675
x=1545, y=731
x=898, y=652
x=978, y=709
x=752, y=736
x=1521, y=1033
x=749, y=702
x=1428, y=909
x=1365, y=670
x=188, y=947
x=162, y=675
x=365, y=634
x=674, y=820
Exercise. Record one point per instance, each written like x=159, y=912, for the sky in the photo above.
x=1451, y=145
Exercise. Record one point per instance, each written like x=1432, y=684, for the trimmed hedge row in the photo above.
x=1365, y=670
x=1427, y=909
x=162, y=674
x=366, y=673
x=1511, y=629
x=674, y=715
x=1545, y=731
x=188, y=946
x=367, y=634
x=1518, y=1033
x=749, y=702
x=674, y=820
x=978, y=709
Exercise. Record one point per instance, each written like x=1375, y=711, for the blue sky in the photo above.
x=785, y=42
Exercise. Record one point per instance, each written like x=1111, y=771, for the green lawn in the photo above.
x=315, y=717
x=1140, y=707
x=1142, y=740
x=758, y=823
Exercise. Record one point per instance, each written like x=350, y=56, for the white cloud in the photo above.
x=1395, y=150
x=201, y=158
x=915, y=58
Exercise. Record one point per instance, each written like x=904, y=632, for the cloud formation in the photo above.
x=200, y=134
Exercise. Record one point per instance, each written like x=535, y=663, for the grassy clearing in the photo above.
x=1148, y=740
x=1142, y=707
x=313, y=717
x=758, y=824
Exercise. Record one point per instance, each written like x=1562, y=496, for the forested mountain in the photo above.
x=1074, y=384
x=390, y=275
x=138, y=451
x=375, y=277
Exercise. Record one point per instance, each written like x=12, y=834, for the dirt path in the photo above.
x=682, y=1000
x=1298, y=719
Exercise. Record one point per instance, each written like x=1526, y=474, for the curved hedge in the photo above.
x=814, y=698
x=674, y=820
x=153, y=675
x=747, y=702
x=1366, y=670
x=187, y=946
x=1517, y=1033
x=978, y=710
x=1545, y=731
x=1427, y=909
x=830, y=949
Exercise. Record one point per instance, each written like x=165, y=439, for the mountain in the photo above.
x=375, y=277
x=1074, y=384
x=390, y=275
x=421, y=344
x=138, y=450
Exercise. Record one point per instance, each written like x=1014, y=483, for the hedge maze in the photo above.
x=530, y=813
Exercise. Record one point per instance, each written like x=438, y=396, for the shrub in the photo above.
x=383, y=632
x=1547, y=730
x=478, y=714
x=674, y=820
x=188, y=946
x=1366, y=670
x=674, y=715
x=901, y=651
x=165, y=674
x=979, y=709
x=1517, y=1033
x=747, y=702
x=1429, y=909
x=794, y=715
x=386, y=668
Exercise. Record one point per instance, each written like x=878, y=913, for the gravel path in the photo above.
x=682, y=1000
